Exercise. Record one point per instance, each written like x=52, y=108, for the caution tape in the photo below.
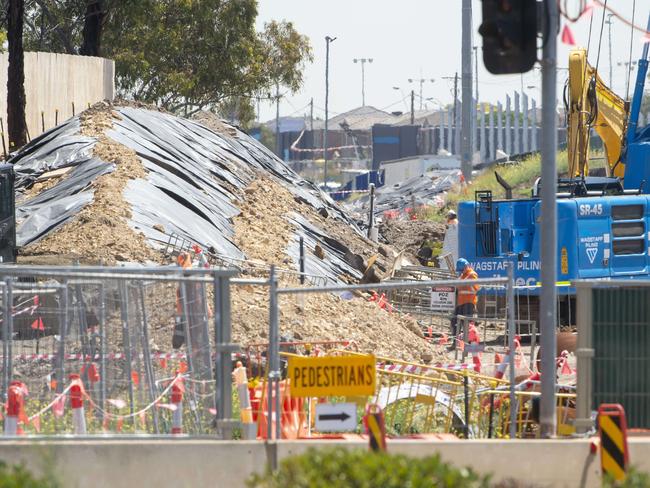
x=139, y=412
x=347, y=192
x=293, y=147
x=110, y=356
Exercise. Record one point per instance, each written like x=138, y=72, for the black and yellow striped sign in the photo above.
x=375, y=428
x=613, y=440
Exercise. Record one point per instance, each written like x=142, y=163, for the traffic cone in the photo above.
x=15, y=408
x=77, y=405
x=178, y=389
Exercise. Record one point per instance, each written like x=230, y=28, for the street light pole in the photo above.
x=628, y=68
x=421, y=82
x=478, y=100
x=466, y=87
x=328, y=40
x=609, y=27
x=363, y=62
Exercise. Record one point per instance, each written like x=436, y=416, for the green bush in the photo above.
x=343, y=468
x=19, y=477
x=635, y=479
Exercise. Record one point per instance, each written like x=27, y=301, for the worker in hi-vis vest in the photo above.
x=465, y=296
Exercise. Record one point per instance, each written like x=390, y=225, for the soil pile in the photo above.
x=167, y=178
x=408, y=235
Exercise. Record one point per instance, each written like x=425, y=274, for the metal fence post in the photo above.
x=7, y=335
x=273, y=356
x=6, y=310
x=102, y=347
x=126, y=340
x=511, y=348
x=148, y=366
x=584, y=355
x=224, y=349
x=63, y=334
x=302, y=260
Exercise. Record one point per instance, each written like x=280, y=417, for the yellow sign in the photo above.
x=564, y=261
x=334, y=375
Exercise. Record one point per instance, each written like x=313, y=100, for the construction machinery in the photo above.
x=603, y=222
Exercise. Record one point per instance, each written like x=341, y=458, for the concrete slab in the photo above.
x=104, y=463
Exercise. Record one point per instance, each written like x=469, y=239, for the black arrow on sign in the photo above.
x=334, y=416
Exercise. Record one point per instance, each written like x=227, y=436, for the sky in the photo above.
x=420, y=39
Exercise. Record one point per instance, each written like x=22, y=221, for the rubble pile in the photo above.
x=120, y=183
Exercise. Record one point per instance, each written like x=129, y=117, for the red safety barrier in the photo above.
x=178, y=388
x=77, y=405
x=15, y=408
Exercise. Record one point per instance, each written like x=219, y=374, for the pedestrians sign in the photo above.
x=336, y=417
x=334, y=375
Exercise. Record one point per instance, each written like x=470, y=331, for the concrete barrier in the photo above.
x=186, y=462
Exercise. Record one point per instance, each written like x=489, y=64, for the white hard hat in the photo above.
x=451, y=213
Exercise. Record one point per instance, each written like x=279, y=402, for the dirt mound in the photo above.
x=221, y=189
x=100, y=232
x=408, y=235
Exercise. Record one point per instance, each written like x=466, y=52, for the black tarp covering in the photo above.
x=189, y=189
x=337, y=257
x=420, y=190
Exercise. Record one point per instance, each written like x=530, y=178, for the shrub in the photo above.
x=18, y=476
x=635, y=479
x=343, y=468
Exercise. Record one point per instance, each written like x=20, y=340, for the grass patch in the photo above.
x=520, y=176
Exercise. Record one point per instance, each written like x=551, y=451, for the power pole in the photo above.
x=277, y=120
x=412, y=107
x=328, y=40
x=466, y=122
x=548, y=299
x=455, y=96
x=476, y=73
x=311, y=115
x=421, y=81
x=609, y=28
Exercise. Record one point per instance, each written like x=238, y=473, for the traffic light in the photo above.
x=509, y=31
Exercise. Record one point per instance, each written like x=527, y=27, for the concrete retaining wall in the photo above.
x=56, y=81
x=196, y=463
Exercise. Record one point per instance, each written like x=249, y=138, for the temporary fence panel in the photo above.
x=132, y=336
x=414, y=398
x=613, y=340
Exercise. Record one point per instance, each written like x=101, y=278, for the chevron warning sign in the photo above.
x=375, y=428
x=613, y=440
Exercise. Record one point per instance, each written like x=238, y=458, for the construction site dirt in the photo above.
x=103, y=232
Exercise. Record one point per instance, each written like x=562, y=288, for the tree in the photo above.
x=16, y=124
x=92, y=31
x=182, y=55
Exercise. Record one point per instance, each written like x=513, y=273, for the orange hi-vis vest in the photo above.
x=467, y=294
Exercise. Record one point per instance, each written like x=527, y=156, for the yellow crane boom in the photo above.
x=591, y=103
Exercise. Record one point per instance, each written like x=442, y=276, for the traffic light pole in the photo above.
x=548, y=225
x=466, y=86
